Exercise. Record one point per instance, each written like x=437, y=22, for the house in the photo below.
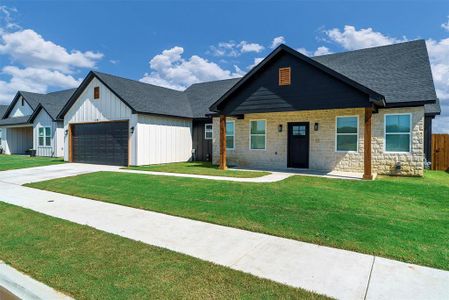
x=118, y=121
x=367, y=111
x=30, y=122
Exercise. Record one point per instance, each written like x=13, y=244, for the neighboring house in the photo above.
x=367, y=111
x=30, y=122
x=118, y=121
x=3, y=109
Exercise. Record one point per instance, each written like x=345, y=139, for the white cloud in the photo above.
x=319, y=51
x=351, y=38
x=234, y=49
x=170, y=69
x=33, y=79
x=256, y=61
x=445, y=26
x=30, y=49
x=277, y=41
x=43, y=63
x=250, y=47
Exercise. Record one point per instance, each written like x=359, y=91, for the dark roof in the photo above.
x=147, y=98
x=202, y=95
x=433, y=109
x=3, y=109
x=15, y=121
x=400, y=72
x=52, y=102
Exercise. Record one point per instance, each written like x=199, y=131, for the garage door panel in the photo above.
x=100, y=143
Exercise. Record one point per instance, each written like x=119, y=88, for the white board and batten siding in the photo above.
x=20, y=110
x=86, y=109
x=163, y=139
x=56, y=149
x=17, y=140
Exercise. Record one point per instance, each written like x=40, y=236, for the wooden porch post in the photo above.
x=367, y=174
x=223, y=165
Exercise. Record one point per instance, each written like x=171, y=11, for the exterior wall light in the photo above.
x=66, y=132
x=316, y=126
x=132, y=130
x=280, y=127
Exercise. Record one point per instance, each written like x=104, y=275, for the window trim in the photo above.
x=44, y=136
x=233, y=136
x=337, y=134
x=211, y=131
x=266, y=126
x=395, y=133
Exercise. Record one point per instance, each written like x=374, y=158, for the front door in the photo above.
x=298, y=145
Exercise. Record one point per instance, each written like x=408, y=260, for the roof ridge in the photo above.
x=372, y=48
x=135, y=81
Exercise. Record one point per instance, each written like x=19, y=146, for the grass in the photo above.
x=199, y=168
x=402, y=218
x=11, y=162
x=90, y=264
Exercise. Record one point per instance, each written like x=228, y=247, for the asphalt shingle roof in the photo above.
x=148, y=98
x=400, y=72
x=15, y=121
x=202, y=95
x=3, y=109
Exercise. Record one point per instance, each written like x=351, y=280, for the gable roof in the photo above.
x=146, y=98
x=373, y=95
x=51, y=102
x=400, y=72
x=3, y=109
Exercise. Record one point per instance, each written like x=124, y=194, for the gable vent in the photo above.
x=285, y=76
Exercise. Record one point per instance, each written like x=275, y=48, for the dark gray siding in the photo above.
x=203, y=147
x=311, y=88
x=428, y=137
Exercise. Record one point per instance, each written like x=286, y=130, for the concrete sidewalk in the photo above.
x=333, y=272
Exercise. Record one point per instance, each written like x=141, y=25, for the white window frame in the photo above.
x=393, y=133
x=233, y=136
x=44, y=137
x=258, y=134
x=207, y=130
x=337, y=134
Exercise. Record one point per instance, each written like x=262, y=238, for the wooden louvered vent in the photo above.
x=284, y=76
x=97, y=92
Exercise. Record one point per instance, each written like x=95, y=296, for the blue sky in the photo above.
x=46, y=46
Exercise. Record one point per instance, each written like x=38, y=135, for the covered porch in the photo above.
x=301, y=142
x=17, y=139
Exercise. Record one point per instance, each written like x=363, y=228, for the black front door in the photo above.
x=298, y=145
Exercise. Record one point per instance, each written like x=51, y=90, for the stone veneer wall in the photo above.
x=322, y=142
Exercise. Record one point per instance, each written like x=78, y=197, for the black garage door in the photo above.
x=100, y=143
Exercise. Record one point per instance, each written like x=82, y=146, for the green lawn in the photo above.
x=401, y=218
x=11, y=162
x=90, y=264
x=199, y=168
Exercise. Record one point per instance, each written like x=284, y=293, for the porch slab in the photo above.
x=309, y=172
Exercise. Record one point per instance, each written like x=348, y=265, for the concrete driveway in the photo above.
x=36, y=174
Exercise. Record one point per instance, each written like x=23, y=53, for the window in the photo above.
x=397, y=133
x=257, y=135
x=299, y=130
x=347, y=133
x=97, y=92
x=284, y=76
x=207, y=131
x=230, y=135
x=44, y=136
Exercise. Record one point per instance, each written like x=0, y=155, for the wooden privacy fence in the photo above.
x=440, y=152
